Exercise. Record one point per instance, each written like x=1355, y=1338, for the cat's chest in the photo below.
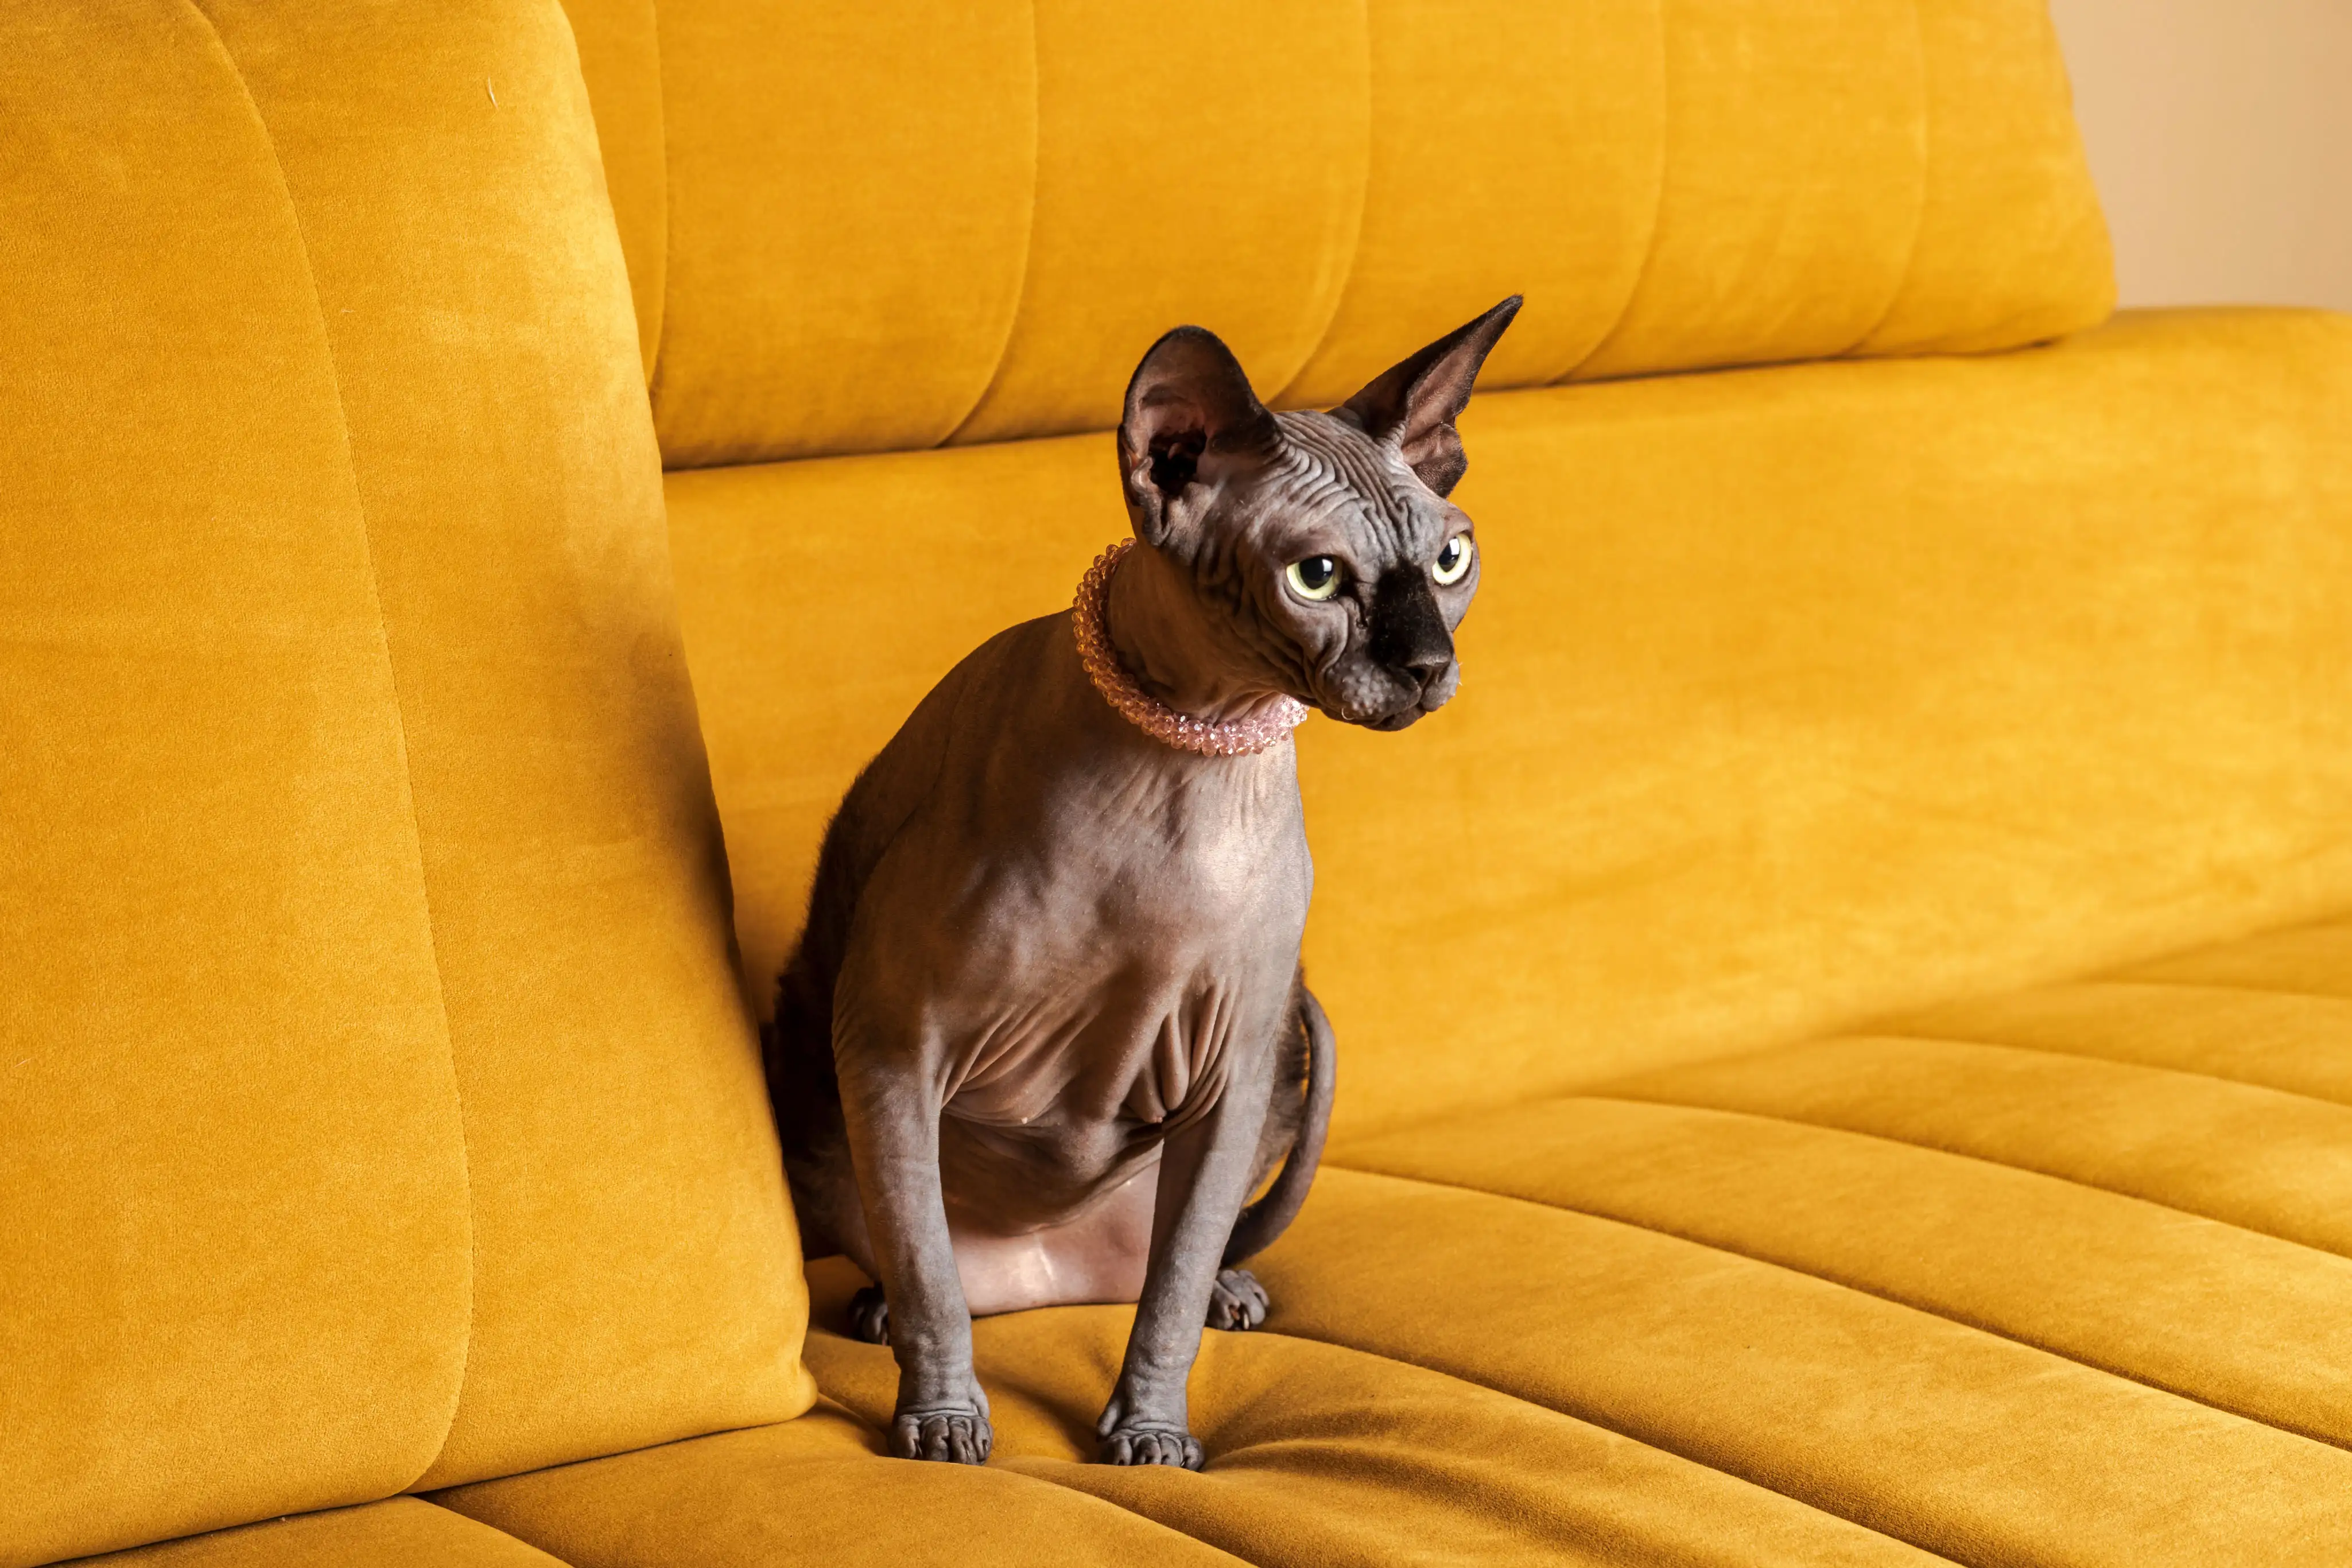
x=1112, y=974
x=1124, y=995
x=1100, y=865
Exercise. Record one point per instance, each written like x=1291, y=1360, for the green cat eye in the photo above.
x=1453, y=562
x=1317, y=578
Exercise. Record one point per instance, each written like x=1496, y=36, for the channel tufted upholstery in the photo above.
x=1846, y=1022
x=1014, y=198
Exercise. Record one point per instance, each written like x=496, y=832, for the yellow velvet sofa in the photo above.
x=1846, y=1023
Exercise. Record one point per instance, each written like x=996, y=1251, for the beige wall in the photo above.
x=2221, y=134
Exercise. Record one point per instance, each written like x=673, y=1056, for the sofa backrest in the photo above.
x=377, y=1104
x=893, y=225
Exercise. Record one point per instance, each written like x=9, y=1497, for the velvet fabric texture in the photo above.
x=1732, y=1164
x=1012, y=199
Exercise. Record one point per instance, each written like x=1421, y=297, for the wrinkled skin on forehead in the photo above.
x=1233, y=494
x=1380, y=652
x=1046, y=1031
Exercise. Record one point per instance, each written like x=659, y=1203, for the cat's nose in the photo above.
x=1409, y=633
x=1428, y=665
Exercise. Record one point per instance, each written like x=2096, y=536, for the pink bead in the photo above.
x=1270, y=726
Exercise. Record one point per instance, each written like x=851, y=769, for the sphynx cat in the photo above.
x=1046, y=1031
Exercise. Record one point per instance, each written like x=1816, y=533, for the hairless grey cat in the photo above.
x=1046, y=1031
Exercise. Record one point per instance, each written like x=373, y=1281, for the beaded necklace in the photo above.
x=1241, y=737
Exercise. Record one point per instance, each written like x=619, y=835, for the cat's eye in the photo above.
x=1453, y=562
x=1317, y=578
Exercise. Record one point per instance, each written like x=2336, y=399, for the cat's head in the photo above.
x=1320, y=546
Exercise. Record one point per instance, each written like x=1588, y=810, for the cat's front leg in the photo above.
x=890, y=1103
x=1204, y=1176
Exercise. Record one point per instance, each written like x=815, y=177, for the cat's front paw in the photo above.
x=1237, y=1301
x=1135, y=1439
x=1151, y=1445
x=957, y=1434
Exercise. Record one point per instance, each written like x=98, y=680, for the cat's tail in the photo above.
x=1268, y=1218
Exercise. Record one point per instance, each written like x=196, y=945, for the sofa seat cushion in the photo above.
x=2058, y=1276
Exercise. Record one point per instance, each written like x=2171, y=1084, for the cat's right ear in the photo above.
x=1190, y=418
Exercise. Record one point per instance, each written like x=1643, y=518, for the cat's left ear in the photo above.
x=1415, y=401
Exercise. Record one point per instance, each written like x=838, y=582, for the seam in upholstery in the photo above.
x=669, y=207
x=1974, y=1324
x=661, y=114
x=399, y=712
x=1657, y=205
x=1130, y=1510
x=1927, y=176
x=1321, y=337
x=1028, y=236
x=2241, y=988
x=1928, y=1038
x=1966, y=1155
x=1935, y=1037
x=444, y=1508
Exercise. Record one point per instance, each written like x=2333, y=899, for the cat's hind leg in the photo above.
x=869, y=1316
x=1297, y=1123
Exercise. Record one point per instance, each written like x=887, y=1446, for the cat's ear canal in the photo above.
x=1190, y=418
x=1415, y=401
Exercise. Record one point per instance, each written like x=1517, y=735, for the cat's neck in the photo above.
x=1161, y=640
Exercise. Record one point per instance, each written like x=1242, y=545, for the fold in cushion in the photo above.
x=400, y=1534
x=2292, y=1041
x=2280, y=1163
x=2314, y=959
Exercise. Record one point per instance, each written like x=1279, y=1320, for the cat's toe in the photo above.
x=1237, y=1301
x=869, y=1316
